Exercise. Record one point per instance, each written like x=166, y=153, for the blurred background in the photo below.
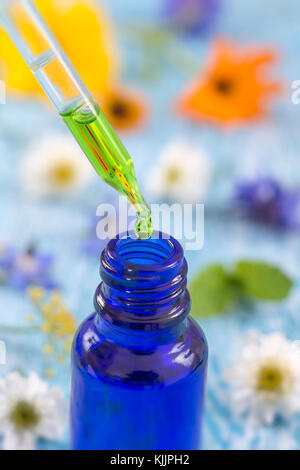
x=204, y=95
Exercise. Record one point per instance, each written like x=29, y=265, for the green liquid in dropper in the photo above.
x=108, y=156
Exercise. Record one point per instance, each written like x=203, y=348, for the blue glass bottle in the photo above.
x=139, y=363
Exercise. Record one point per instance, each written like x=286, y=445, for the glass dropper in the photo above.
x=74, y=103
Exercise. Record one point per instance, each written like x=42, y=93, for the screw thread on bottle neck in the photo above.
x=143, y=283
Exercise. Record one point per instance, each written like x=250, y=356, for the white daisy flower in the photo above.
x=183, y=173
x=265, y=380
x=29, y=410
x=54, y=165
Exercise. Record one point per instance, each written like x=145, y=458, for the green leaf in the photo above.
x=262, y=281
x=212, y=291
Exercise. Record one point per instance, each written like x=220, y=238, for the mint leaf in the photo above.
x=212, y=291
x=262, y=281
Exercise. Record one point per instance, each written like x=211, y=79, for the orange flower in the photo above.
x=125, y=109
x=233, y=86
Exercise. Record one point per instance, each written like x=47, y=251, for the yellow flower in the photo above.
x=49, y=373
x=35, y=293
x=48, y=349
x=46, y=309
x=59, y=323
x=84, y=32
x=61, y=359
x=68, y=345
x=29, y=318
x=56, y=299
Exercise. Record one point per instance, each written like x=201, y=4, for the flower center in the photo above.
x=119, y=109
x=172, y=176
x=224, y=85
x=62, y=174
x=270, y=378
x=24, y=416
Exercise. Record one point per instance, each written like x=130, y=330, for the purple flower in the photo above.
x=192, y=16
x=22, y=269
x=267, y=201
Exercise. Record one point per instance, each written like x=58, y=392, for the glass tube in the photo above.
x=74, y=103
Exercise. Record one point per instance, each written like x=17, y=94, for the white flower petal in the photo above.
x=192, y=169
x=34, y=387
x=18, y=441
x=47, y=154
x=258, y=352
x=51, y=428
x=48, y=403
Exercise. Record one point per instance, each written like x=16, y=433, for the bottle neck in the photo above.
x=143, y=285
x=142, y=340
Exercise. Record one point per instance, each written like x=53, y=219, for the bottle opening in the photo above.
x=145, y=252
x=143, y=282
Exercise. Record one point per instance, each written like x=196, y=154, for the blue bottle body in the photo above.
x=139, y=363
